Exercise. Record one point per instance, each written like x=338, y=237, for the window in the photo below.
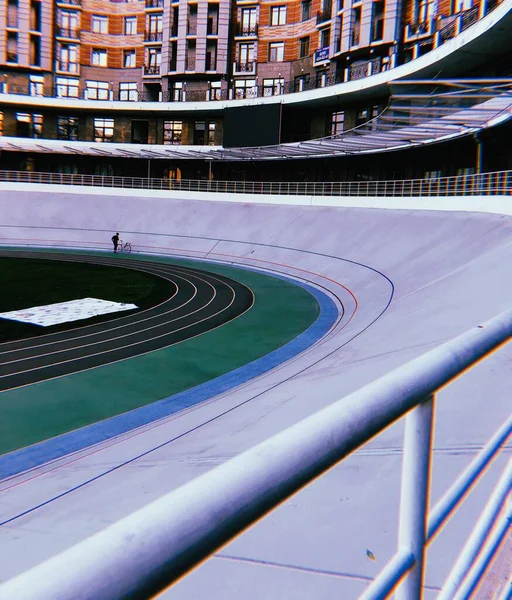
x=276, y=52
x=67, y=128
x=130, y=25
x=215, y=90
x=99, y=24
x=154, y=57
x=337, y=122
x=278, y=15
x=35, y=50
x=103, y=130
x=325, y=37
x=12, y=47
x=377, y=31
x=245, y=63
x=96, y=90
x=99, y=57
x=355, y=28
x=129, y=58
x=29, y=125
x=305, y=10
x=36, y=85
x=173, y=132
x=68, y=23
x=301, y=82
x=245, y=88
x=68, y=58
x=204, y=133
x=248, y=21
x=304, y=47
x=66, y=88
x=211, y=133
x=177, y=91
x=128, y=91
x=273, y=87
x=155, y=24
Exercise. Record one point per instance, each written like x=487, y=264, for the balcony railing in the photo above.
x=153, y=36
x=154, y=3
x=12, y=57
x=246, y=30
x=151, y=69
x=66, y=32
x=416, y=31
x=70, y=2
x=190, y=64
x=12, y=22
x=67, y=67
x=244, y=67
x=369, y=67
x=191, y=28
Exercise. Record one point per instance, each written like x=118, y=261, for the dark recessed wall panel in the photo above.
x=247, y=126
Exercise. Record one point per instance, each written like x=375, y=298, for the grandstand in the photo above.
x=371, y=169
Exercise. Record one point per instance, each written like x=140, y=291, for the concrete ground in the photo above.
x=409, y=280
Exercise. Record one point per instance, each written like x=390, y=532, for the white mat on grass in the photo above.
x=63, y=312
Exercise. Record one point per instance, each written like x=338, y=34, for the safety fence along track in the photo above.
x=497, y=183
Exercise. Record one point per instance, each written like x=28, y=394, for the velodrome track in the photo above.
x=200, y=302
x=408, y=280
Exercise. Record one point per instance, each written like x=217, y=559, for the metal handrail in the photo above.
x=481, y=184
x=181, y=529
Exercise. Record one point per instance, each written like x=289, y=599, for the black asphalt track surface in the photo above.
x=202, y=301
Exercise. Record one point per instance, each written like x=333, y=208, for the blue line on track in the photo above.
x=52, y=449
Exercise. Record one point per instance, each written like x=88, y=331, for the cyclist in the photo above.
x=115, y=241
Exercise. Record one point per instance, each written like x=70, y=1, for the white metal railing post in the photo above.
x=415, y=495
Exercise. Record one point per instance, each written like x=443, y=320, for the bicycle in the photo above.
x=124, y=247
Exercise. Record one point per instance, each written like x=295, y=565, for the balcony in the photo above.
x=153, y=36
x=70, y=2
x=244, y=67
x=151, y=69
x=417, y=31
x=12, y=57
x=67, y=67
x=365, y=69
x=66, y=32
x=323, y=15
x=154, y=3
x=191, y=28
x=12, y=22
x=190, y=64
x=246, y=30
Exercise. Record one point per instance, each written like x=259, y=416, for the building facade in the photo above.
x=168, y=50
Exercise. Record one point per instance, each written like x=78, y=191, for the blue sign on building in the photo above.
x=322, y=54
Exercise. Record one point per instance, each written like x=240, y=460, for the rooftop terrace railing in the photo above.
x=484, y=184
x=154, y=547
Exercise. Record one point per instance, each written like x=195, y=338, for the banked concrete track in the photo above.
x=409, y=280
